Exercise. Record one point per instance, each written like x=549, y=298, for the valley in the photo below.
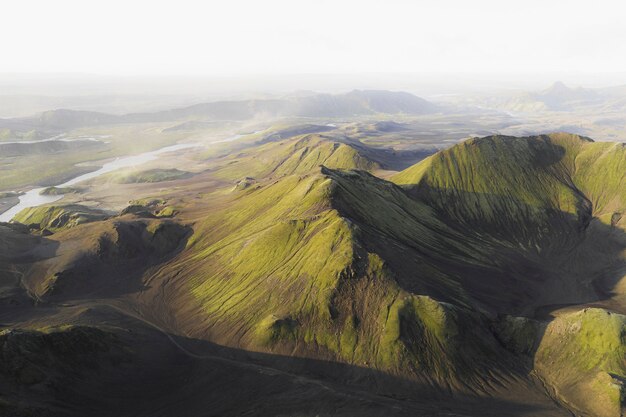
x=379, y=256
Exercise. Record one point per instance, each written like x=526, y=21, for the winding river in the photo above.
x=33, y=198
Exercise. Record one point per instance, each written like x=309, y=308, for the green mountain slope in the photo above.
x=341, y=264
x=452, y=278
x=297, y=155
x=558, y=171
x=284, y=269
x=547, y=206
x=583, y=355
x=53, y=218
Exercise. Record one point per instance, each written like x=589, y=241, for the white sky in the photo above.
x=178, y=37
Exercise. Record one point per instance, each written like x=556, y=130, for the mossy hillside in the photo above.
x=150, y=176
x=298, y=155
x=528, y=204
x=409, y=234
x=306, y=155
x=168, y=211
x=480, y=172
x=54, y=218
x=583, y=355
x=518, y=188
x=601, y=176
x=60, y=190
x=434, y=338
x=281, y=269
x=433, y=255
x=152, y=207
x=414, y=174
x=284, y=232
x=285, y=265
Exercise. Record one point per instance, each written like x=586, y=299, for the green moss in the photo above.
x=168, y=211
x=156, y=207
x=54, y=218
x=419, y=329
x=148, y=202
x=150, y=176
x=273, y=329
x=331, y=262
x=349, y=337
x=300, y=155
x=517, y=189
x=583, y=355
x=60, y=191
x=292, y=248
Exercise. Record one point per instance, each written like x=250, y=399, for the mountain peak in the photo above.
x=559, y=90
x=558, y=86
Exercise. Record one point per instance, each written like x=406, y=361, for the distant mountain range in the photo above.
x=354, y=103
x=556, y=97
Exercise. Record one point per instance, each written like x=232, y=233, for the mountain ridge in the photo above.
x=356, y=102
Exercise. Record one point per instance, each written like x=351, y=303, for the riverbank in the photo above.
x=7, y=202
x=34, y=198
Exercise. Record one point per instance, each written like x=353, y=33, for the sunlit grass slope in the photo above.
x=294, y=156
x=340, y=264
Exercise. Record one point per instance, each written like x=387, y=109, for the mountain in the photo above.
x=299, y=155
x=557, y=97
x=357, y=102
x=487, y=279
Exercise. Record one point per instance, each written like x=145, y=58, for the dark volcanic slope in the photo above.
x=435, y=289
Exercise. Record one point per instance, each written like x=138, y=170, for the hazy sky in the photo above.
x=130, y=37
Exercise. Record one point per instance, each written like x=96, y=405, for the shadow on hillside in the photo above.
x=146, y=372
x=170, y=375
x=391, y=159
x=272, y=384
x=513, y=260
x=530, y=259
x=113, y=267
x=18, y=250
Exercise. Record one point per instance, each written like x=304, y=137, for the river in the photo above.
x=33, y=198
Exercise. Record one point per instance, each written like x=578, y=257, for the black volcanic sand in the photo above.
x=144, y=371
